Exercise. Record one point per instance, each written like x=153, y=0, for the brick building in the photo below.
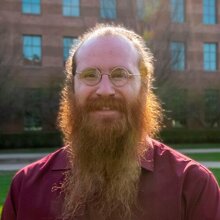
x=36, y=36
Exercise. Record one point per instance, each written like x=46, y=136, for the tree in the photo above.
x=41, y=107
x=21, y=105
x=212, y=108
x=160, y=34
x=51, y=96
x=10, y=93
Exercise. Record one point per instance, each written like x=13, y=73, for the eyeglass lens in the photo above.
x=92, y=76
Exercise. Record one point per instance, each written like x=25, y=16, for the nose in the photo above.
x=105, y=87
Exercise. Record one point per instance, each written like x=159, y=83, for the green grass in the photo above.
x=205, y=156
x=216, y=172
x=5, y=180
x=195, y=146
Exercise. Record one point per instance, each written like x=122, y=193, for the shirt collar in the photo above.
x=147, y=160
x=61, y=161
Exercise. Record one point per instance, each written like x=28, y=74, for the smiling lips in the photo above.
x=105, y=109
x=106, y=112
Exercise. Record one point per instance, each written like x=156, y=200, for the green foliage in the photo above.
x=175, y=104
x=183, y=135
x=30, y=140
x=212, y=107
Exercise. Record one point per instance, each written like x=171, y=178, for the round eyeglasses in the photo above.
x=118, y=76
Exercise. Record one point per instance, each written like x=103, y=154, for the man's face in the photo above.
x=105, y=124
x=106, y=53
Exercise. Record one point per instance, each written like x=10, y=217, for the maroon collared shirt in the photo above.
x=172, y=187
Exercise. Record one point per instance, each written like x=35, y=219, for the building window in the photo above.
x=32, y=49
x=68, y=42
x=108, y=9
x=209, y=12
x=179, y=108
x=32, y=111
x=177, y=56
x=210, y=56
x=71, y=8
x=31, y=6
x=212, y=107
x=140, y=6
x=176, y=106
x=177, y=11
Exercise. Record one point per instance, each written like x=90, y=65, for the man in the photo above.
x=111, y=168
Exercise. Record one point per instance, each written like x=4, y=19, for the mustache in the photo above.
x=95, y=104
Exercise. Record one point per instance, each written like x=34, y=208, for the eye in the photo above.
x=118, y=74
x=89, y=74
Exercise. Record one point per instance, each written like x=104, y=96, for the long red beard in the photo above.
x=104, y=157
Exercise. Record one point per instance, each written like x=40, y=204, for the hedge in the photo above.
x=30, y=140
x=53, y=139
x=180, y=135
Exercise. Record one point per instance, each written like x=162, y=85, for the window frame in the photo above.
x=174, y=12
x=71, y=6
x=211, y=106
x=102, y=7
x=65, y=48
x=207, y=13
x=32, y=61
x=209, y=58
x=180, y=63
x=32, y=113
x=30, y=4
x=140, y=6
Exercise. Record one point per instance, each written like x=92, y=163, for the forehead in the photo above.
x=110, y=49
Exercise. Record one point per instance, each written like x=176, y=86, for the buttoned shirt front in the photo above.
x=172, y=187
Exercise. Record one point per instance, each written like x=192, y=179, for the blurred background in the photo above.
x=35, y=38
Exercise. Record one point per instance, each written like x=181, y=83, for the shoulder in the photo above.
x=196, y=183
x=179, y=163
x=53, y=161
x=162, y=150
x=36, y=181
x=192, y=177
